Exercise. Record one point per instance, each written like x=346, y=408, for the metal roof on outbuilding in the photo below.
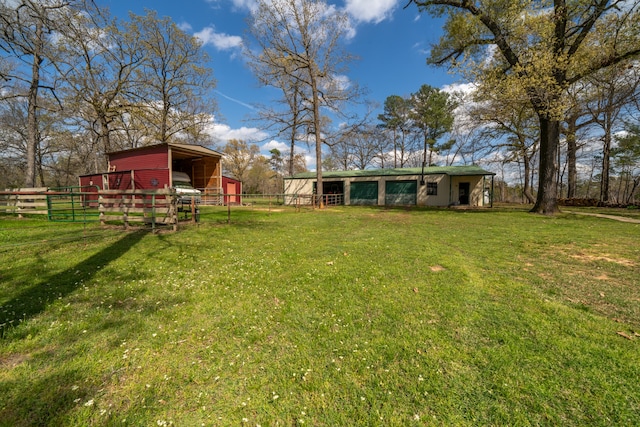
x=433, y=170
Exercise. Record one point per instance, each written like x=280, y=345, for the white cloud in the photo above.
x=465, y=88
x=370, y=10
x=222, y=132
x=336, y=81
x=309, y=157
x=280, y=146
x=241, y=4
x=220, y=41
x=238, y=4
x=185, y=26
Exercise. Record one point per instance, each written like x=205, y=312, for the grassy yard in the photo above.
x=346, y=316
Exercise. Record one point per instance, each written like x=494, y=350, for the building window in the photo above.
x=432, y=188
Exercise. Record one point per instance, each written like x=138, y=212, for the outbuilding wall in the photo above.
x=152, y=157
x=476, y=189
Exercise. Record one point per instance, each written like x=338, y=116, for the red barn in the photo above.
x=151, y=167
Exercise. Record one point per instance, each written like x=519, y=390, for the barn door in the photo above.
x=401, y=193
x=364, y=193
x=463, y=193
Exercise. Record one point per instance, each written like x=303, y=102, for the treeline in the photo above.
x=77, y=83
x=554, y=108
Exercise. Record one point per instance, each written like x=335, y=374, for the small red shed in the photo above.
x=151, y=167
x=232, y=190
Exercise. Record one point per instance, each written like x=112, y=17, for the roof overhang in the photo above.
x=189, y=151
x=433, y=170
x=178, y=151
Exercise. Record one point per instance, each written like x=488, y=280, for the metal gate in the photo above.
x=73, y=204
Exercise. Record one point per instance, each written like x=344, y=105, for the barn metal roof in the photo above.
x=182, y=150
x=433, y=170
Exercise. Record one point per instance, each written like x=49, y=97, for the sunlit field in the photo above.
x=335, y=317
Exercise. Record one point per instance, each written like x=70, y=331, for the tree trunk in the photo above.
x=572, y=149
x=547, y=199
x=606, y=158
x=32, y=119
x=316, y=128
x=105, y=134
x=632, y=192
x=527, y=180
x=395, y=148
x=294, y=128
x=292, y=146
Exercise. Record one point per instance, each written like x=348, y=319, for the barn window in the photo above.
x=432, y=188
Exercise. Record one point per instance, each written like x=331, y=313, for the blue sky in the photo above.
x=391, y=43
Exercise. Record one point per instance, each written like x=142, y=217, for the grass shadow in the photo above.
x=35, y=299
x=55, y=397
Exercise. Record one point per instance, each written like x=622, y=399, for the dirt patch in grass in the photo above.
x=593, y=254
x=581, y=256
x=437, y=268
x=592, y=278
x=13, y=360
x=266, y=209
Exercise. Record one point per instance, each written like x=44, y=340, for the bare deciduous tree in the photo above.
x=299, y=47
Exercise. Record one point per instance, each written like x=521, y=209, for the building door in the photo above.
x=463, y=193
x=231, y=192
x=401, y=193
x=364, y=193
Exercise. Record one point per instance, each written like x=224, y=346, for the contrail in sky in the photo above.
x=244, y=104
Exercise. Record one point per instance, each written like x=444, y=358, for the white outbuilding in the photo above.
x=433, y=186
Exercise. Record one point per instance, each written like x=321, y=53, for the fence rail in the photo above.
x=89, y=203
x=285, y=199
x=24, y=201
x=157, y=207
x=69, y=204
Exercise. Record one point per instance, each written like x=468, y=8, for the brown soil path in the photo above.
x=614, y=217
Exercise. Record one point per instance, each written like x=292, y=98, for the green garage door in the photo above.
x=364, y=193
x=401, y=192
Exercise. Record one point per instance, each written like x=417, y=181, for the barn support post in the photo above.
x=492, y=190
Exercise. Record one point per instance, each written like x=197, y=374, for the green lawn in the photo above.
x=345, y=316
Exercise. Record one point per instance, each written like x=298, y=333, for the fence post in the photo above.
x=125, y=217
x=101, y=208
x=73, y=206
x=153, y=212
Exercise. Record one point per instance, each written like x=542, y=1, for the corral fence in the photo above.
x=291, y=200
x=90, y=204
x=274, y=202
x=151, y=207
